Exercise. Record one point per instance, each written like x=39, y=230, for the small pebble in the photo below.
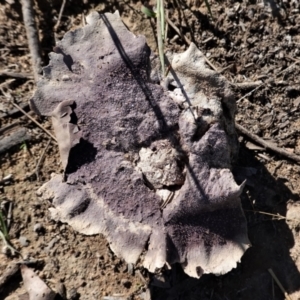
x=5, y=250
x=23, y=241
x=38, y=227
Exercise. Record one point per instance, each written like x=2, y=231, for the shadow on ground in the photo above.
x=271, y=242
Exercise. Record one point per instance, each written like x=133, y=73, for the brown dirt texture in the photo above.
x=255, y=45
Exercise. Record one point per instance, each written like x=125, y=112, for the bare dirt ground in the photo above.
x=248, y=41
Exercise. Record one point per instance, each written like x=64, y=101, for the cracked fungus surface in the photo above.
x=147, y=167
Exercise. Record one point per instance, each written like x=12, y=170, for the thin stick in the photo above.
x=188, y=41
x=60, y=15
x=267, y=145
x=33, y=120
x=279, y=217
x=168, y=200
x=16, y=75
x=283, y=71
x=248, y=84
x=32, y=36
x=7, y=82
x=279, y=284
x=183, y=37
x=248, y=94
x=37, y=168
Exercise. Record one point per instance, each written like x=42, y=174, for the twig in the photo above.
x=260, y=85
x=183, y=37
x=279, y=217
x=211, y=65
x=141, y=276
x=37, y=168
x=7, y=82
x=267, y=145
x=32, y=36
x=279, y=284
x=289, y=67
x=248, y=84
x=15, y=75
x=188, y=41
x=60, y=15
x=168, y=200
x=248, y=94
x=34, y=121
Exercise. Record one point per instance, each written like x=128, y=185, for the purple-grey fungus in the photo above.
x=147, y=167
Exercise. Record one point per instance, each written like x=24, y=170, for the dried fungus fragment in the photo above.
x=35, y=287
x=146, y=167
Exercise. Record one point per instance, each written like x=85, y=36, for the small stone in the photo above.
x=5, y=250
x=126, y=283
x=38, y=228
x=23, y=241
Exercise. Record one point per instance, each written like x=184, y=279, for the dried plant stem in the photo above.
x=33, y=120
x=188, y=42
x=267, y=145
x=287, y=297
x=15, y=75
x=38, y=165
x=248, y=94
x=60, y=15
x=32, y=36
x=160, y=34
x=183, y=37
x=279, y=217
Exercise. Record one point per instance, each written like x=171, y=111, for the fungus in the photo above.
x=149, y=168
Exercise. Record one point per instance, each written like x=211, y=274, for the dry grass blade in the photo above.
x=15, y=75
x=279, y=217
x=3, y=227
x=38, y=165
x=287, y=297
x=160, y=34
x=34, y=121
x=208, y=7
x=148, y=12
x=4, y=234
x=60, y=15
